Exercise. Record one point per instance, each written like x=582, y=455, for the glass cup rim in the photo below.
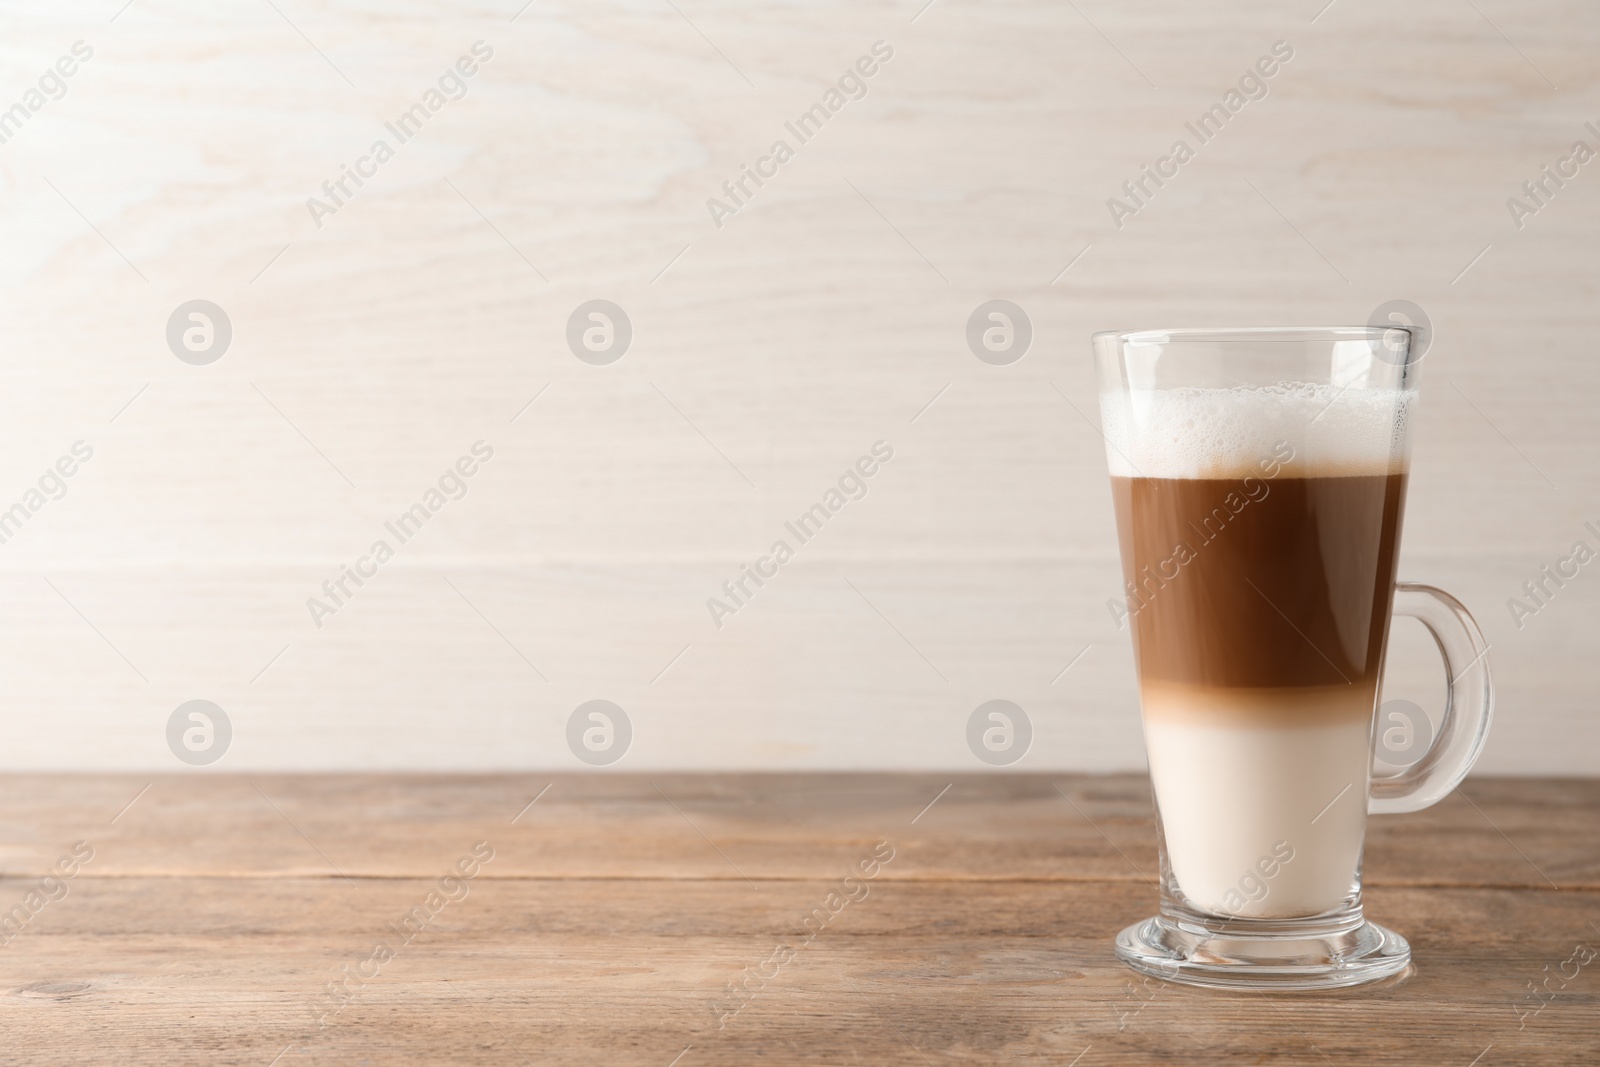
x=1254, y=334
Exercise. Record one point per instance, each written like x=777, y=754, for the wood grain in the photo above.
x=616, y=910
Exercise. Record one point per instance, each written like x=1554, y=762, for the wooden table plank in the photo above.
x=607, y=928
x=1052, y=827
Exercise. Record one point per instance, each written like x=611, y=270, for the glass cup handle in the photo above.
x=1468, y=703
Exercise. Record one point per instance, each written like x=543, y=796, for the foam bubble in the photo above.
x=1227, y=433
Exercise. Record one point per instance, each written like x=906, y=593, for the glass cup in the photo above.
x=1259, y=480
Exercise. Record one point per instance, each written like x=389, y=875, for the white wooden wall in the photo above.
x=767, y=355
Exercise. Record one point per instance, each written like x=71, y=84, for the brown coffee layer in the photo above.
x=1244, y=583
x=1257, y=706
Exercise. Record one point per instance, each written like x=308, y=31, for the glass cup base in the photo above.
x=1290, y=956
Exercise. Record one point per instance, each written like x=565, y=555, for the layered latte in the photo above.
x=1259, y=530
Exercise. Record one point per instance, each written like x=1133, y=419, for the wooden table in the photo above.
x=237, y=920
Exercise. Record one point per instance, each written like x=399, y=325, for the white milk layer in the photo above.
x=1262, y=820
x=1228, y=433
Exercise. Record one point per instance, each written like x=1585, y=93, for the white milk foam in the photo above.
x=1228, y=433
